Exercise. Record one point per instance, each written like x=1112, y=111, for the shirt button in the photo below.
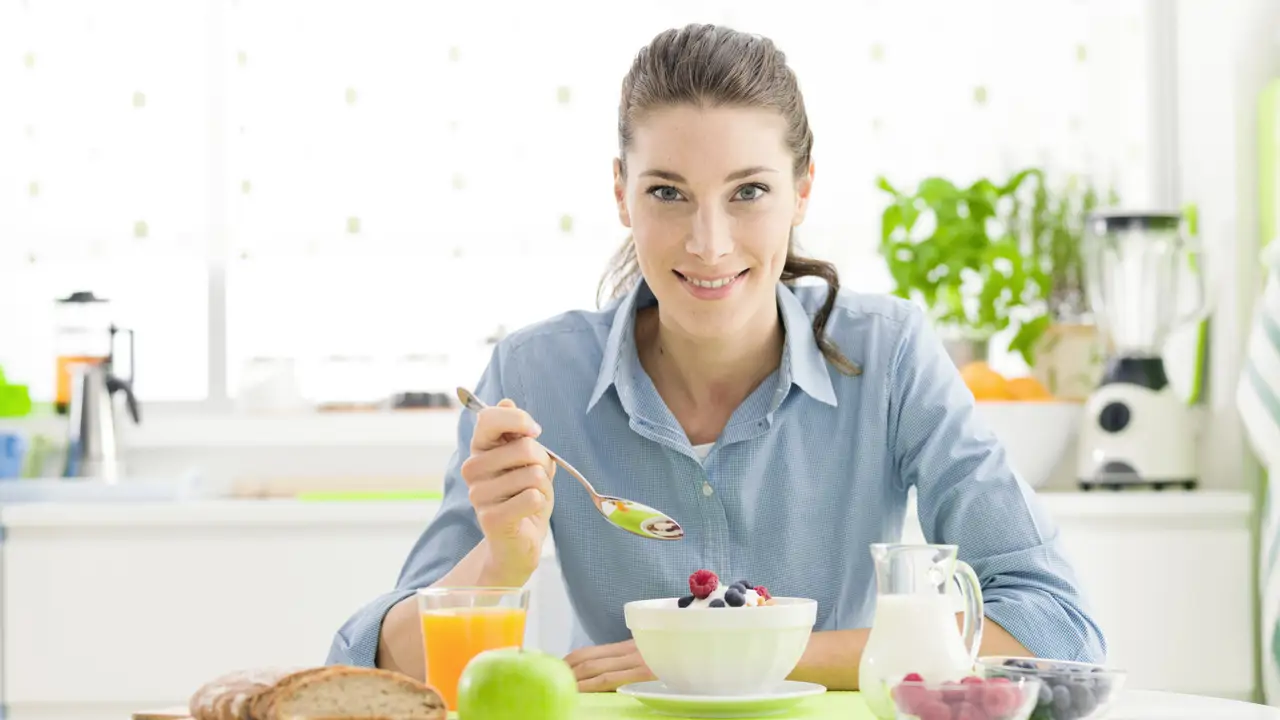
x=706, y=489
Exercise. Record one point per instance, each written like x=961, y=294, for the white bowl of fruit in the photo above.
x=723, y=638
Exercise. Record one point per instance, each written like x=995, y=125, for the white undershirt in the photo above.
x=703, y=450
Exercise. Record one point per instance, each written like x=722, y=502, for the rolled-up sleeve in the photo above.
x=969, y=495
x=446, y=540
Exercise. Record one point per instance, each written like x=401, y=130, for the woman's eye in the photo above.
x=750, y=192
x=665, y=193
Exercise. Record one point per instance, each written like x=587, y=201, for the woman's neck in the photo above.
x=704, y=380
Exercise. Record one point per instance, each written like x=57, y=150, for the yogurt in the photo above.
x=709, y=592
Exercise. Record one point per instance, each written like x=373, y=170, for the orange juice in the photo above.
x=451, y=637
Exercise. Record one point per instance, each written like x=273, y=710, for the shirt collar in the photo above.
x=802, y=361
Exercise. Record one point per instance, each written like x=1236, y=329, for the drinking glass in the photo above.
x=459, y=623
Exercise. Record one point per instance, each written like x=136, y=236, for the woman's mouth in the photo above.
x=710, y=288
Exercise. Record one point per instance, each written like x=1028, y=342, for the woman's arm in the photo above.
x=451, y=551
x=968, y=495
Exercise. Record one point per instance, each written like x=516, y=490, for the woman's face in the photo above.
x=710, y=197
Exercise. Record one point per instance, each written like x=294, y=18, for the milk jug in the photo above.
x=914, y=628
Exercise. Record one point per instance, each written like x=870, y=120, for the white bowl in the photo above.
x=1036, y=435
x=721, y=651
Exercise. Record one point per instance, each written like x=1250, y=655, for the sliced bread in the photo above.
x=226, y=697
x=354, y=693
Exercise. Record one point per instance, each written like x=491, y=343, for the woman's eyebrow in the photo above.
x=735, y=175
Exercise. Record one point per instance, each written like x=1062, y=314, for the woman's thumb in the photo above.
x=506, y=402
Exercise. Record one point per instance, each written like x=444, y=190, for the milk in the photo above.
x=915, y=633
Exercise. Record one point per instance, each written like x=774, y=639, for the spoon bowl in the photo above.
x=636, y=518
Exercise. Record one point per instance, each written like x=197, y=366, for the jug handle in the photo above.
x=967, y=579
x=112, y=354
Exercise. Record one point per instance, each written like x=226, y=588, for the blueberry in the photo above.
x=1046, y=695
x=1011, y=663
x=717, y=603
x=745, y=584
x=685, y=601
x=734, y=598
x=1086, y=703
x=1061, y=700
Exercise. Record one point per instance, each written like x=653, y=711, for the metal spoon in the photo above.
x=629, y=515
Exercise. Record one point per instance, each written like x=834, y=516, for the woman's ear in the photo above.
x=804, y=186
x=620, y=193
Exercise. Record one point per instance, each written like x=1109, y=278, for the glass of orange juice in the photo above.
x=459, y=623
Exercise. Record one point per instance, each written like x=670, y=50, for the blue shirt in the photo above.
x=809, y=471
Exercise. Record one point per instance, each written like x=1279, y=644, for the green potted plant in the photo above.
x=988, y=256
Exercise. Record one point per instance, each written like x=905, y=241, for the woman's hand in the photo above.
x=605, y=668
x=508, y=478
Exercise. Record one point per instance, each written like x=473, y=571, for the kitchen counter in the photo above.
x=1130, y=506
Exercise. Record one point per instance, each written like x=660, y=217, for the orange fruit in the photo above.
x=1028, y=388
x=985, y=383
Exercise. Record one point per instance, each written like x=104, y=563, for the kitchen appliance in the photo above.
x=82, y=334
x=93, y=441
x=1136, y=430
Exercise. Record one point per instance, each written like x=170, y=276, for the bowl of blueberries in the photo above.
x=1068, y=690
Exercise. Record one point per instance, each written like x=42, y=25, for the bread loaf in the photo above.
x=352, y=693
x=321, y=693
x=260, y=705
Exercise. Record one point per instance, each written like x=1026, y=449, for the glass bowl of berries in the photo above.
x=1068, y=690
x=970, y=698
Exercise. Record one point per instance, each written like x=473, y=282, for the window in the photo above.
x=388, y=179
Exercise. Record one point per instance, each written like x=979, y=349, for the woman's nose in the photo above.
x=709, y=238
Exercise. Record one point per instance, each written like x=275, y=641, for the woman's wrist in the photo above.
x=497, y=571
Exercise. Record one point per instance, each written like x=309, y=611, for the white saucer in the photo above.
x=671, y=702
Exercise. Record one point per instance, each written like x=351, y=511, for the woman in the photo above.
x=782, y=425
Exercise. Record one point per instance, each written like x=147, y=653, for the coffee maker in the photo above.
x=93, y=440
x=1136, y=430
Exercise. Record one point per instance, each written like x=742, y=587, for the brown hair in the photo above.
x=709, y=65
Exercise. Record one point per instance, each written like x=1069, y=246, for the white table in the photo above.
x=1149, y=705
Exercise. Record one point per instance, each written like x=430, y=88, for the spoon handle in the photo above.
x=475, y=405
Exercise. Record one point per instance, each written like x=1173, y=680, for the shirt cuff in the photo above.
x=356, y=642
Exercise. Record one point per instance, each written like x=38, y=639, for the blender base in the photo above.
x=1137, y=435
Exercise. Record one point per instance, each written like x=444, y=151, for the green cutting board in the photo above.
x=827, y=706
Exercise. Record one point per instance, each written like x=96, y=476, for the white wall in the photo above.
x=1226, y=52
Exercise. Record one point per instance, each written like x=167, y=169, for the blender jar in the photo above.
x=82, y=334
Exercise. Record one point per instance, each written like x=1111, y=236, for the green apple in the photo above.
x=516, y=684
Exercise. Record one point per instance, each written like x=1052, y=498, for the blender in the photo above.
x=1137, y=431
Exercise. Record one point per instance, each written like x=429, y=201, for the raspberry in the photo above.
x=999, y=701
x=974, y=687
x=953, y=693
x=702, y=583
x=763, y=592
x=912, y=677
x=966, y=711
x=911, y=698
x=934, y=710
